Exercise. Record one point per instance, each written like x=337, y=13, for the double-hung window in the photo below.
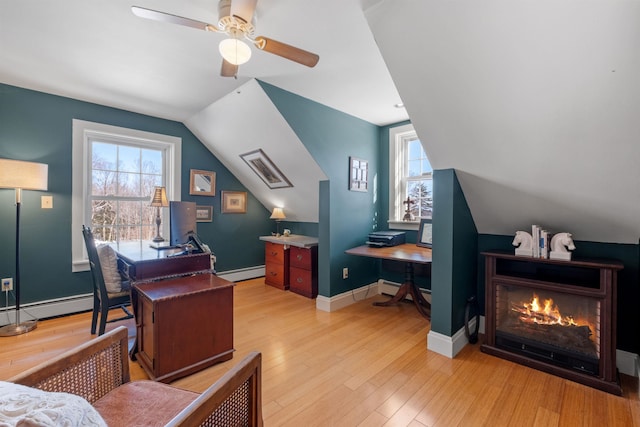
x=410, y=180
x=115, y=172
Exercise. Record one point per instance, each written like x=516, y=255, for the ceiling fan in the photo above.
x=235, y=19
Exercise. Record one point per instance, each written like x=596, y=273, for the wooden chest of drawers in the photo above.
x=303, y=271
x=276, y=263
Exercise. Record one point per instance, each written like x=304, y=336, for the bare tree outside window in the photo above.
x=419, y=180
x=122, y=180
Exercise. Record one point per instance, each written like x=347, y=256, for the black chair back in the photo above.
x=102, y=300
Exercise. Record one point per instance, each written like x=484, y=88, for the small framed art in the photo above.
x=234, y=202
x=358, y=174
x=202, y=183
x=425, y=233
x=204, y=213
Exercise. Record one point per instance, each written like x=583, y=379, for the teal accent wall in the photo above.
x=346, y=217
x=36, y=126
x=455, y=242
x=628, y=336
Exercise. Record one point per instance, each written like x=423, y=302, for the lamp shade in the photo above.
x=159, y=198
x=23, y=175
x=277, y=213
x=234, y=51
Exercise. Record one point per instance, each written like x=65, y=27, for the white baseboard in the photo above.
x=449, y=346
x=345, y=299
x=627, y=363
x=242, y=273
x=49, y=308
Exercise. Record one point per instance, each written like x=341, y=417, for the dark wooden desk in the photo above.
x=183, y=324
x=410, y=254
x=138, y=261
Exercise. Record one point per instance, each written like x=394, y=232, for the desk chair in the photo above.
x=103, y=300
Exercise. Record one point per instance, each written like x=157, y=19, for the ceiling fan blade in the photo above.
x=171, y=19
x=287, y=51
x=244, y=9
x=228, y=69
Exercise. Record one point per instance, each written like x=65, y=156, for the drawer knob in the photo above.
x=299, y=257
x=300, y=280
x=274, y=253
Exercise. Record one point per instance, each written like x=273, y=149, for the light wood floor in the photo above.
x=363, y=365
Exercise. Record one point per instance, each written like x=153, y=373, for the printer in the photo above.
x=386, y=238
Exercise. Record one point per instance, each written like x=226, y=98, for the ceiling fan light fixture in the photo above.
x=235, y=51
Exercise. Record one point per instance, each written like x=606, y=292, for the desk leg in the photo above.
x=409, y=287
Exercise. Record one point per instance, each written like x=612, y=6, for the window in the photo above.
x=411, y=177
x=114, y=173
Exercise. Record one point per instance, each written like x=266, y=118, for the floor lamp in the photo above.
x=20, y=176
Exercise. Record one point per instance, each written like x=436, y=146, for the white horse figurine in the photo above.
x=523, y=243
x=560, y=242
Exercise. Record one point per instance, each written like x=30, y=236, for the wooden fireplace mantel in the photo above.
x=590, y=278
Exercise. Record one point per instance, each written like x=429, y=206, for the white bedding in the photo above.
x=26, y=407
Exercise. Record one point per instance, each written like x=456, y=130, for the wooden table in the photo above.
x=410, y=254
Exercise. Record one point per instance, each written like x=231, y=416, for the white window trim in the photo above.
x=83, y=132
x=397, y=136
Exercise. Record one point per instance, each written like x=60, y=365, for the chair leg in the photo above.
x=94, y=316
x=103, y=319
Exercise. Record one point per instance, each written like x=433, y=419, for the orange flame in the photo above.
x=547, y=315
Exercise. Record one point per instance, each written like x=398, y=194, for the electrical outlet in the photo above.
x=345, y=273
x=7, y=284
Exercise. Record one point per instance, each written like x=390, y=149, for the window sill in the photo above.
x=404, y=225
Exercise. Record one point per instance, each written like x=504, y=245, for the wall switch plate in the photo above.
x=7, y=284
x=345, y=273
x=46, y=202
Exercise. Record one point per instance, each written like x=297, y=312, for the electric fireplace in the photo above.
x=552, y=315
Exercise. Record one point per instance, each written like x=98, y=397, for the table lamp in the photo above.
x=159, y=200
x=20, y=176
x=278, y=215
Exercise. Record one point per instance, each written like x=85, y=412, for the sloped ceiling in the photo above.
x=246, y=120
x=535, y=103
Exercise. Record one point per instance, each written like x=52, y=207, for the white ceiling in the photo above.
x=98, y=51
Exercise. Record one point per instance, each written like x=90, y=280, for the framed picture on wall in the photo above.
x=202, y=183
x=262, y=165
x=358, y=174
x=204, y=213
x=425, y=233
x=234, y=202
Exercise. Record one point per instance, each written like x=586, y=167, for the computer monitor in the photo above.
x=182, y=217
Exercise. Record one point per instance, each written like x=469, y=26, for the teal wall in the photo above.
x=346, y=217
x=35, y=126
x=453, y=274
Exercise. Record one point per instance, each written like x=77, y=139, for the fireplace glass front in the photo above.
x=551, y=326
